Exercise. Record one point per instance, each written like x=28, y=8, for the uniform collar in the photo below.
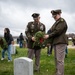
x=36, y=23
x=58, y=19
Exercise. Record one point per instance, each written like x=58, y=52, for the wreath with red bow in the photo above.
x=39, y=39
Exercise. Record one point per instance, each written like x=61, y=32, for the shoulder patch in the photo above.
x=62, y=19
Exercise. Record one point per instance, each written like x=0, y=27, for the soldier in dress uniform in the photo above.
x=60, y=41
x=73, y=40
x=30, y=31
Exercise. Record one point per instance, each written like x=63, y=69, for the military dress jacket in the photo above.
x=58, y=32
x=30, y=31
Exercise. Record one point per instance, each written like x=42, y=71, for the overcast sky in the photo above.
x=15, y=14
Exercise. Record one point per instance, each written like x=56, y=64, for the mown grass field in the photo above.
x=46, y=62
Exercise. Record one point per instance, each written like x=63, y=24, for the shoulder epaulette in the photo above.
x=62, y=19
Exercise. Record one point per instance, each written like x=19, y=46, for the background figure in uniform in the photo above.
x=49, y=45
x=9, y=39
x=32, y=28
x=17, y=40
x=49, y=49
x=73, y=40
x=66, y=52
x=60, y=41
x=21, y=39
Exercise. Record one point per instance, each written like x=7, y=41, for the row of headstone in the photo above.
x=23, y=66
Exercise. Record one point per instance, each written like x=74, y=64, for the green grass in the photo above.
x=70, y=42
x=47, y=65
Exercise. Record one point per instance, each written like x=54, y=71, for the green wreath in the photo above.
x=39, y=39
x=3, y=43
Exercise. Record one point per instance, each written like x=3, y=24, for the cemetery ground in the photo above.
x=47, y=65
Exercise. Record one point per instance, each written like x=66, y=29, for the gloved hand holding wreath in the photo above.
x=40, y=41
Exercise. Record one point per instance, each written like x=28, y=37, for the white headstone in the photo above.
x=13, y=49
x=23, y=66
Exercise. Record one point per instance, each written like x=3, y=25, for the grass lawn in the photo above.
x=70, y=42
x=46, y=62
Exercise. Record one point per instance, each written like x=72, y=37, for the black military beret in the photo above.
x=54, y=12
x=35, y=15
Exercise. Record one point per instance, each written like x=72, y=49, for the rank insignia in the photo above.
x=62, y=19
x=32, y=26
x=41, y=27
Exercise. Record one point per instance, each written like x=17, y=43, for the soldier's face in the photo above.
x=36, y=19
x=56, y=17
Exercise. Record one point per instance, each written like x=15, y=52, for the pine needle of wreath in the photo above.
x=39, y=39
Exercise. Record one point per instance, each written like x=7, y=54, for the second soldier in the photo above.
x=32, y=28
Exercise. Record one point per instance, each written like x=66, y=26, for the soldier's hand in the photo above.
x=33, y=38
x=46, y=36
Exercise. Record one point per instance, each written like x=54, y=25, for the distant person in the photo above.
x=17, y=40
x=49, y=49
x=49, y=45
x=21, y=39
x=66, y=52
x=9, y=40
x=73, y=40
x=58, y=33
x=32, y=28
